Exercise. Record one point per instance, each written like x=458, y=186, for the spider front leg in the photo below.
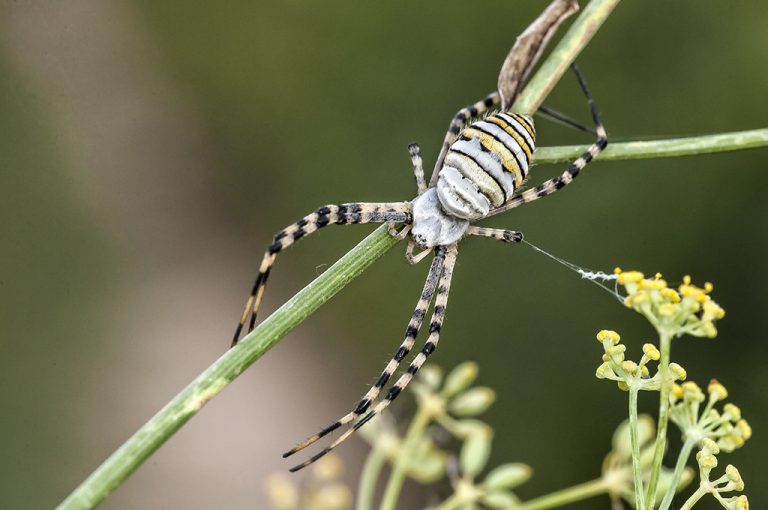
x=506, y=236
x=342, y=214
x=442, y=268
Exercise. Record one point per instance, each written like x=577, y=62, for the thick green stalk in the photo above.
x=722, y=142
x=637, y=469
x=565, y=496
x=665, y=341
x=682, y=459
x=208, y=384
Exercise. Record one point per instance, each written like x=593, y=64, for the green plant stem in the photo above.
x=397, y=477
x=565, y=496
x=695, y=497
x=637, y=469
x=682, y=460
x=665, y=341
x=368, y=478
x=214, y=379
x=566, y=51
x=738, y=140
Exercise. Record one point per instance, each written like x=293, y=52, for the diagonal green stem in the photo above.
x=565, y=496
x=682, y=459
x=208, y=384
x=690, y=146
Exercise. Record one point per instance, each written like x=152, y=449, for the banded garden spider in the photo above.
x=479, y=169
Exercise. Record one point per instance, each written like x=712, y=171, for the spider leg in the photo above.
x=550, y=186
x=405, y=348
x=410, y=257
x=506, y=236
x=459, y=122
x=421, y=186
x=418, y=167
x=441, y=300
x=562, y=118
x=342, y=214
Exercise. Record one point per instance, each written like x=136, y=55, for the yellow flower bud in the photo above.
x=670, y=295
x=710, y=446
x=604, y=371
x=608, y=335
x=733, y=410
x=746, y=430
x=678, y=371
x=629, y=367
x=630, y=277
x=717, y=391
x=742, y=503
x=706, y=460
x=651, y=351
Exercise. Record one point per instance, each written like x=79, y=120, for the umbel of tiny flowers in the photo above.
x=727, y=428
x=629, y=374
x=687, y=310
x=729, y=482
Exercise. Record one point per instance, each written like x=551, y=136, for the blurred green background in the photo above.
x=148, y=151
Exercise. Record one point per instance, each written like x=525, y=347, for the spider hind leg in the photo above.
x=439, y=280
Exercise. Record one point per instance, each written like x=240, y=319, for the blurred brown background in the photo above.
x=148, y=150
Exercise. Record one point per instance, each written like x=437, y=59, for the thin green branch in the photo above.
x=637, y=469
x=738, y=140
x=665, y=344
x=566, y=51
x=682, y=459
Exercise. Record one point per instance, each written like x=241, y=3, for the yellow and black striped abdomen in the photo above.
x=485, y=166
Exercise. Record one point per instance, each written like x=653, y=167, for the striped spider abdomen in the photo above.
x=484, y=167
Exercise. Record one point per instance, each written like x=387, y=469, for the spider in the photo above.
x=484, y=160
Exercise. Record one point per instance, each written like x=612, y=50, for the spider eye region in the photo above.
x=432, y=226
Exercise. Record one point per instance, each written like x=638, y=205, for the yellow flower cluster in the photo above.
x=687, y=310
x=727, y=428
x=628, y=373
